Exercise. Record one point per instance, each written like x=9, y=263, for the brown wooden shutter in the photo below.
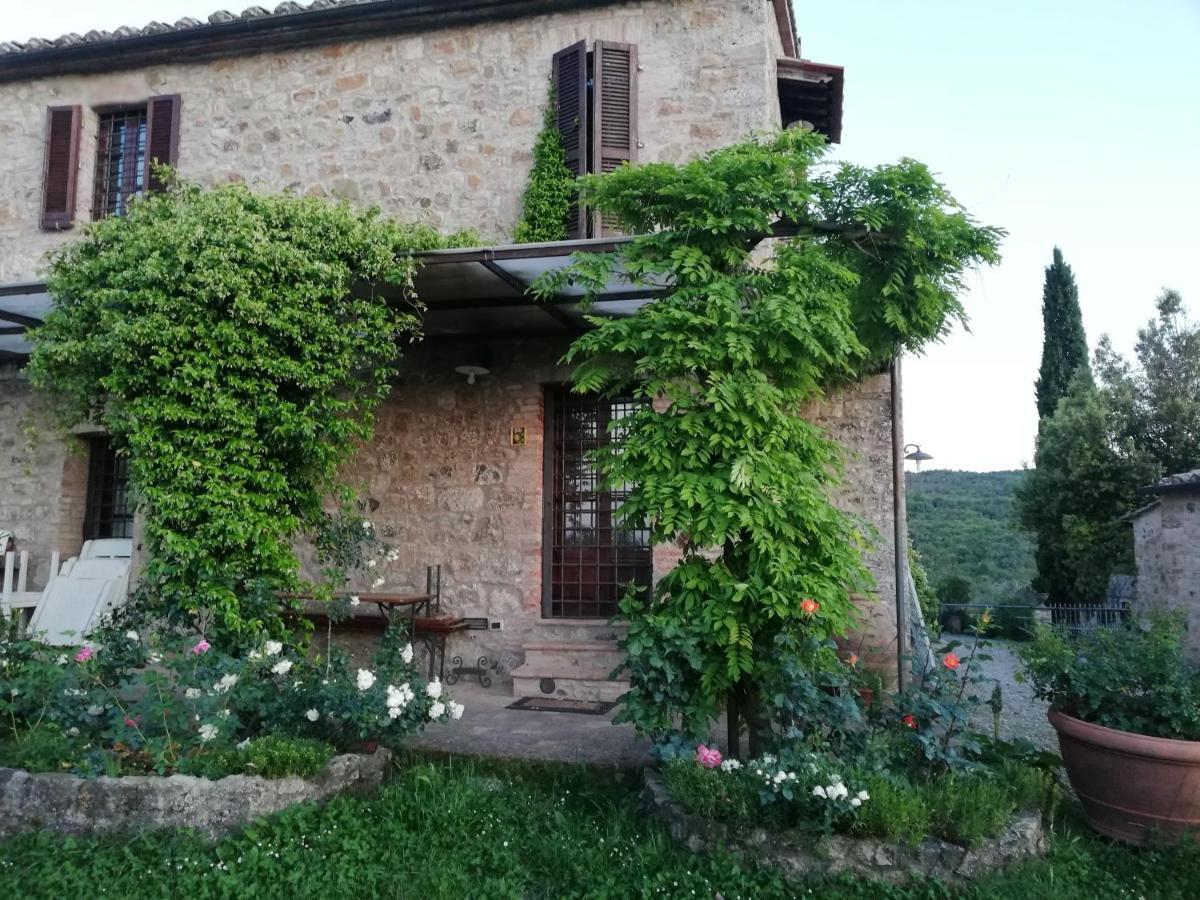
x=61, y=167
x=614, y=123
x=162, y=135
x=570, y=98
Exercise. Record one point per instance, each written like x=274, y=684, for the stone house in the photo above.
x=1166, y=546
x=430, y=111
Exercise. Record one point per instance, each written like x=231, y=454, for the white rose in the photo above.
x=364, y=679
x=208, y=732
x=312, y=715
x=224, y=714
x=407, y=654
x=434, y=689
x=226, y=682
x=395, y=712
x=370, y=563
x=192, y=693
x=273, y=648
x=863, y=795
x=819, y=791
x=378, y=582
x=354, y=601
x=436, y=711
x=62, y=659
x=95, y=710
x=456, y=710
x=367, y=525
x=254, y=655
x=73, y=731
x=282, y=667
x=856, y=802
x=132, y=636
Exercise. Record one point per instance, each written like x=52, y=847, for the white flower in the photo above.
x=156, y=658
x=74, y=692
x=73, y=731
x=370, y=563
x=436, y=711
x=456, y=710
x=731, y=765
x=434, y=689
x=819, y=791
x=354, y=601
x=62, y=659
x=367, y=526
x=132, y=636
x=282, y=667
x=254, y=655
x=242, y=745
x=224, y=714
x=226, y=682
x=855, y=802
x=312, y=715
x=208, y=732
x=863, y=795
x=273, y=648
x=364, y=679
x=393, y=555
x=192, y=693
x=378, y=582
x=95, y=710
x=780, y=776
x=407, y=654
x=395, y=712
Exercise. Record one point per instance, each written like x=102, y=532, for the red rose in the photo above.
x=951, y=662
x=910, y=720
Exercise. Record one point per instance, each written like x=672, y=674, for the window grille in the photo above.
x=120, y=162
x=108, y=512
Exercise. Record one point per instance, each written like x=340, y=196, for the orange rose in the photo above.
x=809, y=606
x=951, y=662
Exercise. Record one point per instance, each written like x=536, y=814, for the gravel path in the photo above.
x=1023, y=715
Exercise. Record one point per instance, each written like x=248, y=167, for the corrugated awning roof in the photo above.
x=477, y=291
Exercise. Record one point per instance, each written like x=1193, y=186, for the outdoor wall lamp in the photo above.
x=479, y=362
x=916, y=454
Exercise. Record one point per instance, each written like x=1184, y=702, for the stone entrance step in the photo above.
x=574, y=670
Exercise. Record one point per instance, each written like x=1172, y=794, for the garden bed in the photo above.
x=797, y=854
x=76, y=805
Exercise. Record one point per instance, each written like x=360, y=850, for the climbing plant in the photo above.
x=235, y=346
x=546, y=204
x=718, y=457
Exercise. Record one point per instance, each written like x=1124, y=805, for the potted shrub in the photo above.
x=1126, y=706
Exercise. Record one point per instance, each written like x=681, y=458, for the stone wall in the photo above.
x=42, y=477
x=1167, y=548
x=436, y=127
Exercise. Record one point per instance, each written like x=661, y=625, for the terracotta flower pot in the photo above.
x=1133, y=787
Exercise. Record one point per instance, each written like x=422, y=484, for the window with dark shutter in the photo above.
x=61, y=166
x=162, y=136
x=614, y=102
x=570, y=85
x=596, y=98
x=108, y=513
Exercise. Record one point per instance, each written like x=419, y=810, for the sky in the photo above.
x=1073, y=123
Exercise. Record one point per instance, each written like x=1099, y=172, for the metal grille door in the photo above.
x=589, y=559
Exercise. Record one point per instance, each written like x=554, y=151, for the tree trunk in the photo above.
x=732, y=724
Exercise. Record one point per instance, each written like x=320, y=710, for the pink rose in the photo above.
x=84, y=654
x=201, y=647
x=709, y=757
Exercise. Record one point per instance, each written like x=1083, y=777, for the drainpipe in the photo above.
x=899, y=527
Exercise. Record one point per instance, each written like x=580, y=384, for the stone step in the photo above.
x=579, y=683
x=571, y=655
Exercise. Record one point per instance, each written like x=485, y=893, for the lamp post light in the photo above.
x=916, y=454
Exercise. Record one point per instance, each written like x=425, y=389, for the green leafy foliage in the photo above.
x=1107, y=438
x=539, y=831
x=717, y=455
x=1134, y=678
x=546, y=204
x=965, y=526
x=1064, y=344
x=927, y=598
x=235, y=346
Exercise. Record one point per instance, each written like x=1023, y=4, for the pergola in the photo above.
x=477, y=291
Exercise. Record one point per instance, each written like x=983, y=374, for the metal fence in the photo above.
x=1016, y=620
x=1087, y=618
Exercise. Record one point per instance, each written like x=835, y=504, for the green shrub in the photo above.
x=895, y=811
x=968, y=808
x=275, y=756
x=713, y=794
x=546, y=204
x=43, y=749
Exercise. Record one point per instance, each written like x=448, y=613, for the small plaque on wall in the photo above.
x=517, y=436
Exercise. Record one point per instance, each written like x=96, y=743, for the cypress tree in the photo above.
x=1064, y=344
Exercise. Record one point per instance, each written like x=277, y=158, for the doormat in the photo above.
x=553, y=704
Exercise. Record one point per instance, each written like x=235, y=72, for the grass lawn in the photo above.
x=476, y=830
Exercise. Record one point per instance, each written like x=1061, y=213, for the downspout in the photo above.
x=899, y=528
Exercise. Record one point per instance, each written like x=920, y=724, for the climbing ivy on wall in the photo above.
x=235, y=346
x=718, y=458
x=546, y=204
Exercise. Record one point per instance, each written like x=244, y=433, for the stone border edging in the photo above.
x=74, y=805
x=797, y=855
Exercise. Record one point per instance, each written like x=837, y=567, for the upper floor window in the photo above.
x=129, y=143
x=120, y=161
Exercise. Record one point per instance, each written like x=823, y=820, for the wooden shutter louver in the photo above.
x=615, y=114
x=570, y=98
x=162, y=136
x=61, y=168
